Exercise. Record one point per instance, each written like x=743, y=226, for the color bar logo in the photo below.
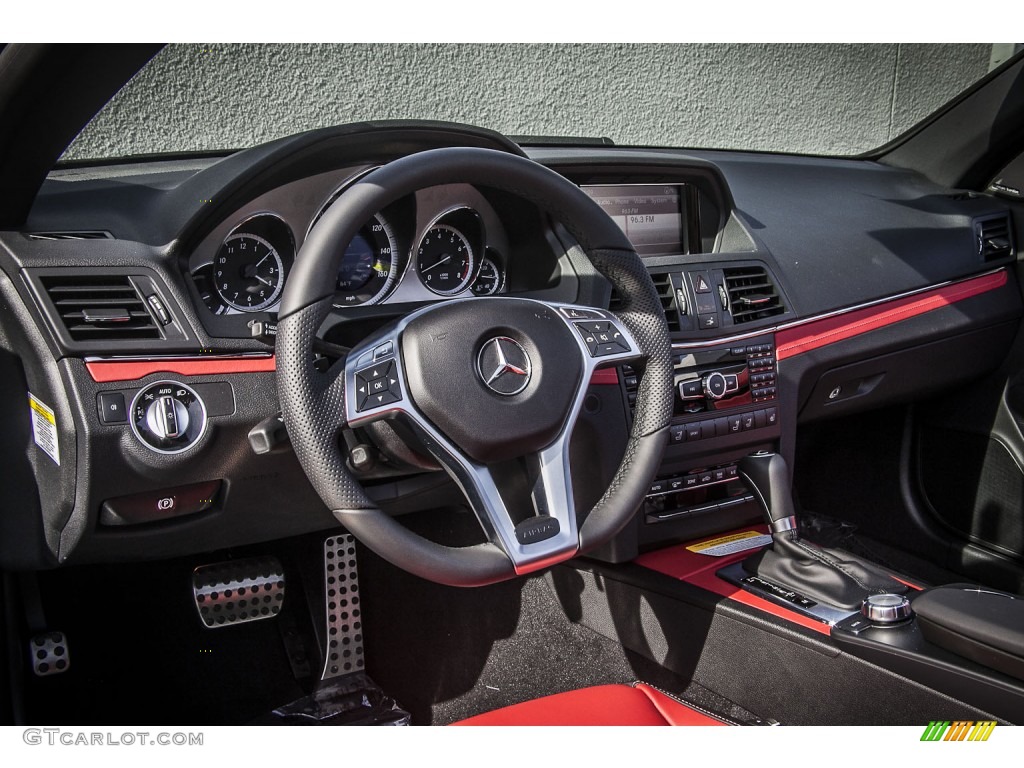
x=958, y=730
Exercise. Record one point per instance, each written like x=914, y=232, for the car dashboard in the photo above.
x=141, y=306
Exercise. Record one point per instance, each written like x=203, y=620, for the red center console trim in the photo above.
x=699, y=570
x=819, y=333
x=104, y=371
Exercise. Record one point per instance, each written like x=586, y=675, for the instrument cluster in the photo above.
x=409, y=252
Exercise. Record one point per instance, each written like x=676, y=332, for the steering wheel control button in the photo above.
x=384, y=350
x=377, y=385
x=504, y=366
x=168, y=417
x=602, y=338
x=886, y=609
x=576, y=313
x=536, y=529
x=111, y=408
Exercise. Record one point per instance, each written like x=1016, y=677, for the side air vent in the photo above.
x=100, y=308
x=752, y=296
x=663, y=284
x=993, y=237
x=93, y=235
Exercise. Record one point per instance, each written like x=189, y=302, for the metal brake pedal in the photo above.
x=344, y=653
x=49, y=654
x=238, y=591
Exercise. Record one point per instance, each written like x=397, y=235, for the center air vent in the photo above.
x=663, y=284
x=752, y=296
x=993, y=237
x=100, y=308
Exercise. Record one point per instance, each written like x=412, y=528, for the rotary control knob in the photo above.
x=168, y=417
x=886, y=609
x=715, y=386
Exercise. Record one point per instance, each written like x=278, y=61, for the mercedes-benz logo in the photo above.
x=504, y=366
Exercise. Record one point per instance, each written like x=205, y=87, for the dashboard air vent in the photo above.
x=101, y=308
x=663, y=284
x=752, y=296
x=91, y=235
x=993, y=237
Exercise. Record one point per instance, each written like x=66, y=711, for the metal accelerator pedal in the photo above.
x=238, y=591
x=344, y=654
x=345, y=694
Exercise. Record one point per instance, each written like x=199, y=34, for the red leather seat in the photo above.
x=637, y=704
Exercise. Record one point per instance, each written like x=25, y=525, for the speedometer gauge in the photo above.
x=248, y=273
x=444, y=260
x=367, y=269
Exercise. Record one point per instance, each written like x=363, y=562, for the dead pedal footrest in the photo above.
x=238, y=591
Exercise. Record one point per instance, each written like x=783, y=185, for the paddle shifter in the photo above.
x=830, y=576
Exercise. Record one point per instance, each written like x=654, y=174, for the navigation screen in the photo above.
x=651, y=215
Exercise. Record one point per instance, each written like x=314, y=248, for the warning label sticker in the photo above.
x=729, y=545
x=44, y=427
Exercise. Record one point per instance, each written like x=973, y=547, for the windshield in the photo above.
x=802, y=98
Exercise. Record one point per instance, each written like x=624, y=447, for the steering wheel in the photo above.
x=481, y=381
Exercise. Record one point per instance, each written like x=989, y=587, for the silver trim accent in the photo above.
x=176, y=358
x=135, y=430
x=724, y=340
x=553, y=493
x=886, y=608
x=784, y=524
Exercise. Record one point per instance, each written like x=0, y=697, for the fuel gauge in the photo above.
x=491, y=278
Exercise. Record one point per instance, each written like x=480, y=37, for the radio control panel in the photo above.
x=722, y=392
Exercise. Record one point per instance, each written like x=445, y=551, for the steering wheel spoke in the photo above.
x=535, y=527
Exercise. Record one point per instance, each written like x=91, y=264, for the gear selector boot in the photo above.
x=830, y=576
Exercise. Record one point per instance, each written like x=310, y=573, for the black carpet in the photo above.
x=447, y=653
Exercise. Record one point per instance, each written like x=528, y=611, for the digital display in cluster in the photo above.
x=651, y=215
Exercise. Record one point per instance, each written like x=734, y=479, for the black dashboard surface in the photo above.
x=834, y=235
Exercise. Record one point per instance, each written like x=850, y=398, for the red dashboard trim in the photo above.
x=104, y=371
x=819, y=333
x=699, y=570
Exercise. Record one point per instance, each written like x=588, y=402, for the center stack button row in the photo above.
x=724, y=425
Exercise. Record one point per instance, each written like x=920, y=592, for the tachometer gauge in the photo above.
x=490, y=279
x=444, y=260
x=367, y=273
x=248, y=273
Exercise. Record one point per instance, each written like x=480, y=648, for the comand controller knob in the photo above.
x=886, y=608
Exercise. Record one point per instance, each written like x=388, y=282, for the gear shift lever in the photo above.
x=767, y=477
x=828, y=575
